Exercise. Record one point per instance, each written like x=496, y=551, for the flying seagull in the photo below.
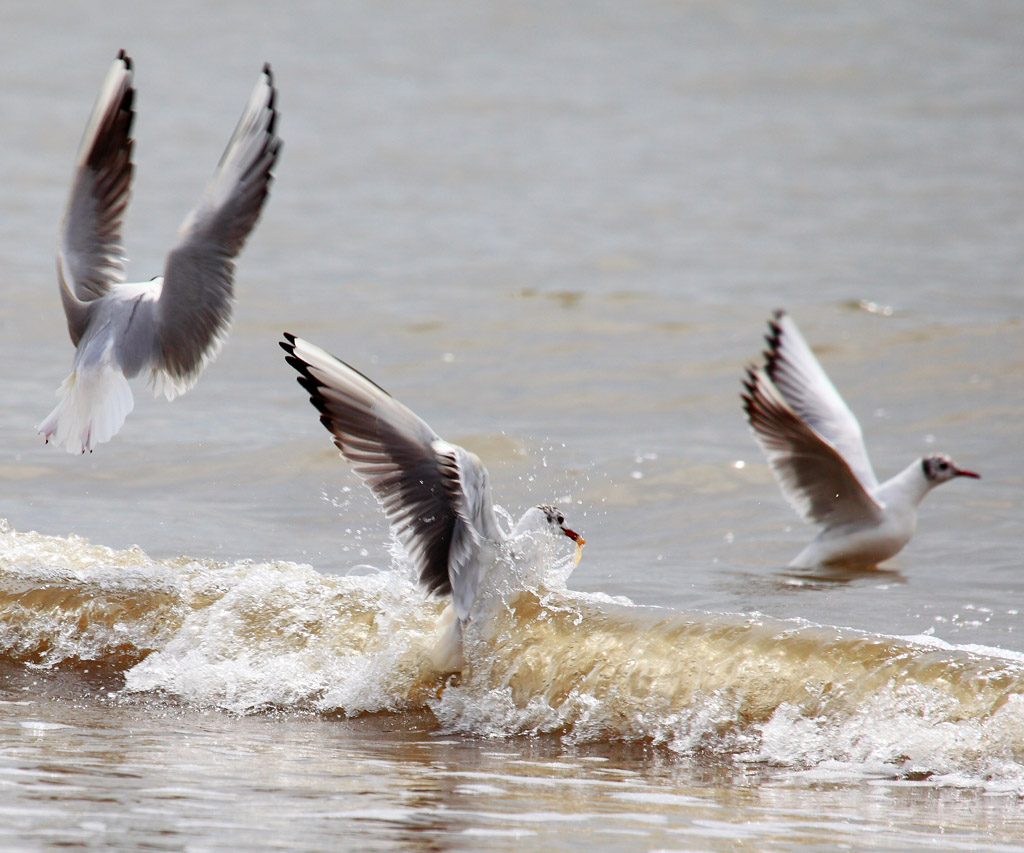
x=174, y=324
x=815, y=449
x=436, y=495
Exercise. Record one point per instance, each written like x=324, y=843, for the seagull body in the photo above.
x=436, y=495
x=174, y=324
x=815, y=448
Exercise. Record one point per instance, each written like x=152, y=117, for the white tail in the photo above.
x=93, y=406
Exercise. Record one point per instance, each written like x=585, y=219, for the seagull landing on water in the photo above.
x=436, y=495
x=814, y=446
x=173, y=325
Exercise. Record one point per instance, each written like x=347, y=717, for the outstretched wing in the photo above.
x=90, y=254
x=809, y=392
x=435, y=494
x=194, y=309
x=813, y=475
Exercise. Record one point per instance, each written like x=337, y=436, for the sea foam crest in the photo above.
x=790, y=694
x=539, y=658
x=288, y=637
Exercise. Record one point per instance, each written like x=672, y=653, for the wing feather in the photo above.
x=808, y=391
x=194, y=310
x=435, y=495
x=814, y=477
x=90, y=252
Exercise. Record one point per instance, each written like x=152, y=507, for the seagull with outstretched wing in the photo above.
x=174, y=324
x=815, y=448
x=436, y=495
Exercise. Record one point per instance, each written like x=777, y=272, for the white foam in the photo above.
x=826, y=703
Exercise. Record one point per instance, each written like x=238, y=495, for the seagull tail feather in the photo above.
x=93, y=406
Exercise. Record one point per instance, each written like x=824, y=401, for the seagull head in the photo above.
x=556, y=520
x=547, y=518
x=939, y=468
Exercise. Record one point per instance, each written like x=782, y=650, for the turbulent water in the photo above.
x=540, y=658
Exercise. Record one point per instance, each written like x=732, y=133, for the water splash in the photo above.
x=540, y=658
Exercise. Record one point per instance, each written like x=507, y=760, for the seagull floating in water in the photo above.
x=174, y=324
x=436, y=495
x=815, y=448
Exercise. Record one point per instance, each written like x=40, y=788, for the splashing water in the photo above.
x=539, y=658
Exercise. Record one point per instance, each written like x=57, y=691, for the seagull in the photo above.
x=814, y=446
x=436, y=495
x=174, y=324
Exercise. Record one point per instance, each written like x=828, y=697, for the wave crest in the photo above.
x=248, y=636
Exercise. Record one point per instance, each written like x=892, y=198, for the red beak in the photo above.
x=575, y=537
x=961, y=472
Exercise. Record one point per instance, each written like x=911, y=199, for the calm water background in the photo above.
x=556, y=231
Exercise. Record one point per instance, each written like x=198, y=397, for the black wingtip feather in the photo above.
x=320, y=404
x=749, y=398
x=428, y=549
x=303, y=367
x=299, y=365
x=272, y=103
x=774, y=341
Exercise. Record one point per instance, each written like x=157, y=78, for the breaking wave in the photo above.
x=828, y=703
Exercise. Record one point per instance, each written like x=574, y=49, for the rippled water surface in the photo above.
x=556, y=231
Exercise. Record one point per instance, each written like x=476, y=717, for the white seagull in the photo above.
x=174, y=324
x=815, y=448
x=436, y=495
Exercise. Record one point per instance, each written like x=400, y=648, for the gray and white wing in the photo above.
x=435, y=494
x=472, y=549
x=90, y=253
x=805, y=386
x=814, y=476
x=194, y=308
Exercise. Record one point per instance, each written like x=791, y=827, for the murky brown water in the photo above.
x=556, y=232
